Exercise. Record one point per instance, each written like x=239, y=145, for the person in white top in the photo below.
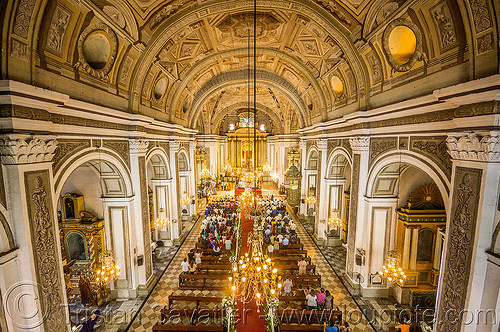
x=287, y=287
x=197, y=258
x=185, y=266
x=311, y=301
x=270, y=249
x=228, y=244
x=280, y=238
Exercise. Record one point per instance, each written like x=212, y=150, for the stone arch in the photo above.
x=159, y=162
x=220, y=115
x=7, y=242
x=183, y=154
x=241, y=76
x=115, y=167
x=335, y=154
x=313, y=152
x=495, y=242
x=407, y=158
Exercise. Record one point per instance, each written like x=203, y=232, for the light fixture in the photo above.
x=162, y=221
x=266, y=168
x=107, y=270
x=232, y=127
x=392, y=272
x=335, y=221
x=206, y=174
x=262, y=127
x=310, y=199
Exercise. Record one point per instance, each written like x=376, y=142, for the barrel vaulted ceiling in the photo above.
x=186, y=61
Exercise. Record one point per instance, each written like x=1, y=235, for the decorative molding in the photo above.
x=67, y=148
x=3, y=196
x=353, y=215
x=121, y=147
x=322, y=144
x=138, y=146
x=346, y=144
x=23, y=16
x=444, y=22
x=360, y=143
x=57, y=30
x=174, y=146
x=84, y=65
x=18, y=150
x=145, y=217
x=46, y=258
x=457, y=263
x=335, y=10
x=332, y=144
x=435, y=149
x=472, y=146
x=380, y=145
x=481, y=13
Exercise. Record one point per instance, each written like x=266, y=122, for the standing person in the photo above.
x=302, y=266
x=270, y=249
x=197, y=258
x=328, y=300
x=90, y=324
x=287, y=287
x=311, y=300
x=228, y=244
x=191, y=255
x=192, y=267
x=321, y=296
x=185, y=266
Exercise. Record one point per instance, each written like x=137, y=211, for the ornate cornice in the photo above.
x=174, y=146
x=24, y=149
x=322, y=143
x=360, y=143
x=475, y=147
x=138, y=146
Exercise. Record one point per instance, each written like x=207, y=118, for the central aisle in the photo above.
x=250, y=319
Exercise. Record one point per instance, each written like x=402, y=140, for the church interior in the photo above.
x=251, y=165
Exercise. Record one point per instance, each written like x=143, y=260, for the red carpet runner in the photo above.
x=249, y=317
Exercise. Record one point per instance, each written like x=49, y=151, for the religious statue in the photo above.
x=85, y=290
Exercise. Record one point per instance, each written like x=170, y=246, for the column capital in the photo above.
x=302, y=144
x=474, y=146
x=174, y=146
x=322, y=143
x=25, y=149
x=360, y=143
x=138, y=146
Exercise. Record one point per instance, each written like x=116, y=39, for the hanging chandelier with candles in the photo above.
x=205, y=174
x=335, y=220
x=162, y=221
x=107, y=270
x=310, y=199
x=392, y=271
x=254, y=276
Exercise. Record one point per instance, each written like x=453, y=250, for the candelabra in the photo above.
x=161, y=221
x=392, y=272
x=107, y=270
x=310, y=200
x=335, y=221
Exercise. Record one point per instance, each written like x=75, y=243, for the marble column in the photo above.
x=470, y=221
x=192, y=177
x=360, y=147
x=140, y=216
x=322, y=191
x=35, y=281
x=303, y=186
x=175, y=218
x=414, y=248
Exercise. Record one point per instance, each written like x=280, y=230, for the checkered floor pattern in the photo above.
x=169, y=282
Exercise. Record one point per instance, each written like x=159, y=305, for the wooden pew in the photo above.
x=278, y=259
x=303, y=280
x=204, y=278
x=186, y=328
x=214, y=260
x=290, y=252
x=304, y=316
x=301, y=327
x=218, y=267
x=292, y=267
x=184, y=298
x=292, y=246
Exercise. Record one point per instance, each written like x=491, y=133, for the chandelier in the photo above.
x=228, y=168
x=185, y=200
x=266, y=169
x=392, y=272
x=108, y=270
x=205, y=174
x=255, y=276
x=335, y=221
x=310, y=200
x=248, y=177
x=247, y=198
x=161, y=221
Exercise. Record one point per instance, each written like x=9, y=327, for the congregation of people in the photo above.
x=217, y=232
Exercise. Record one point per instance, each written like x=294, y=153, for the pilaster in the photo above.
x=322, y=194
x=175, y=219
x=140, y=223
x=28, y=171
x=360, y=148
x=469, y=229
x=192, y=176
x=303, y=165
